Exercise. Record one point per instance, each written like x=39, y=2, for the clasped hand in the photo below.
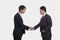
x=31, y=28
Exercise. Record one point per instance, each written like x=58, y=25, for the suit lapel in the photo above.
x=20, y=16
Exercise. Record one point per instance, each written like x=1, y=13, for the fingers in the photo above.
x=43, y=31
x=31, y=28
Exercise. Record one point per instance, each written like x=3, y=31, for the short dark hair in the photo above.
x=21, y=7
x=43, y=8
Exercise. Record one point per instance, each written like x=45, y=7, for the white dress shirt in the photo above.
x=21, y=15
x=44, y=14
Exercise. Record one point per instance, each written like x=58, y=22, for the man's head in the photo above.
x=42, y=10
x=22, y=9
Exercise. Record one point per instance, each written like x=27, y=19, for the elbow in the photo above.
x=50, y=25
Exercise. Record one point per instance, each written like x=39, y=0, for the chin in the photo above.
x=23, y=13
x=41, y=14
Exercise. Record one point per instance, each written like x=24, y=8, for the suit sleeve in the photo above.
x=49, y=21
x=37, y=26
x=26, y=27
x=17, y=19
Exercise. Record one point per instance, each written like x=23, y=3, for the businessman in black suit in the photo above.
x=19, y=28
x=45, y=24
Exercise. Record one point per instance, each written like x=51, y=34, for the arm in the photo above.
x=26, y=27
x=37, y=26
x=18, y=20
x=49, y=21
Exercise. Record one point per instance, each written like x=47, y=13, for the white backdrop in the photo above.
x=8, y=8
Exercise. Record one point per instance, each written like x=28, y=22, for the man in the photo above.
x=19, y=28
x=45, y=24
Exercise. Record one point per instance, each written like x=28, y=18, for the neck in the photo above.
x=44, y=14
x=20, y=12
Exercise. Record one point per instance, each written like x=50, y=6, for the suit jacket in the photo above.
x=45, y=24
x=19, y=28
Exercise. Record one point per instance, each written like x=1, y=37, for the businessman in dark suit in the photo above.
x=45, y=24
x=19, y=28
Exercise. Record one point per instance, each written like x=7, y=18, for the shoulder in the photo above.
x=16, y=15
x=48, y=16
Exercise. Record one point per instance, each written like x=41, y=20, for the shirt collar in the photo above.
x=19, y=13
x=44, y=14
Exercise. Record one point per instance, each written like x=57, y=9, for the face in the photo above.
x=22, y=11
x=42, y=12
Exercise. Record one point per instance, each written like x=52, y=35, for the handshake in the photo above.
x=31, y=28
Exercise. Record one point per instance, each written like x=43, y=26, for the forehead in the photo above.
x=41, y=10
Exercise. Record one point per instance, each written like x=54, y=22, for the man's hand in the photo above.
x=31, y=28
x=43, y=31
